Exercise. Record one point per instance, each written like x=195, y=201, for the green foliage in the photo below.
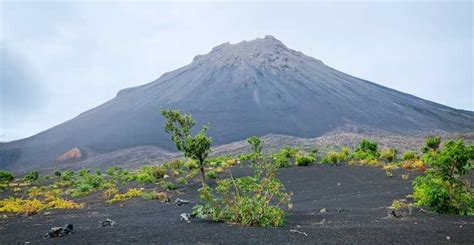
x=179, y=127
x=191, y=164
x=432, y=143
x=211, y=174
x=282, y=157
x=389, y=155
x=167, y=185
x=67, y=175
x=281, y=161
x=302, y=159
x=57, y=173
x=149, y=174
x=6, y=176
x=443, y=188
x=366, y=150
x=181, y=181
x=331, y=157
x=334, y=157
x=409, y=156
x=255, y=142
x=120, y=175
x=32, y=176
x=251, y=200
x=82, y=189
x=85, y=182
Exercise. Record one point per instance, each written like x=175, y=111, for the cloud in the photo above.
x=20, y=91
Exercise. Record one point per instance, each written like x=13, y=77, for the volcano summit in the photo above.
x=256, y=87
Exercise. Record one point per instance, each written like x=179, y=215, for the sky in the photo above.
x=60, y=59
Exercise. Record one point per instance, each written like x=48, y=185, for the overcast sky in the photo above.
x=58, y=60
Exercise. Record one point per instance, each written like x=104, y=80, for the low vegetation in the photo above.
x=251, y=200
x=257, y=200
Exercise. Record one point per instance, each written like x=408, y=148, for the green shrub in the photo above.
x=119, y=174
x=389, y=155
x=443, y=188
x=334, y=157
x=32, y=176
x=6, y=176
x=211, y=174
x=82, y=189
x=432, y=143
x=67, y=175
x=304, y=159
x=167, y=185
x=149, y=195
x=251, y=200
x=283, y=156
x=149, y=174
x=366, y=150
x=281, y=161
x=191, y=164
x=331, y=157
x=57, y=173
x=409, y=156
x=181, y=181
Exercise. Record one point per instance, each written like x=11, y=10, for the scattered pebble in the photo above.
x=339, y=184
x=59, y=231
x=180, y=201
x=321, y=222
x=323, y=211
x=448, y=238
x=185, y=217
x=109, y=222
x=299, y=232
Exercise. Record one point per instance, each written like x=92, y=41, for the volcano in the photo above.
x=256, y=87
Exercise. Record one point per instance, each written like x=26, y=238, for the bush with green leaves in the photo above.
x=67, y=175
x=283, y=156
x=32, y=176
x=334, y=157
x=149, y=174
x=443, y=187
x=167, y=185
x=389, y=155
x=120, y=175
x=252, y=200
x=303, y=159
x=432, y=143
x=211, y=174
x=366, y=150
x=85, y=182
x=409, y=156
x=6, y=176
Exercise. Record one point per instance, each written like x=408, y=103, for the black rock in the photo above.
x=59, y=231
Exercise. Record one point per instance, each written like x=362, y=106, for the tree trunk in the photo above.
x=203, y=175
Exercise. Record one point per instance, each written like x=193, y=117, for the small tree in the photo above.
x=195, y=147
x=443, y=187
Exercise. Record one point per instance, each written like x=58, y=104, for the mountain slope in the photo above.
x=249, y=88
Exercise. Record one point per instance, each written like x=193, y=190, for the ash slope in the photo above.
x=254, y=87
